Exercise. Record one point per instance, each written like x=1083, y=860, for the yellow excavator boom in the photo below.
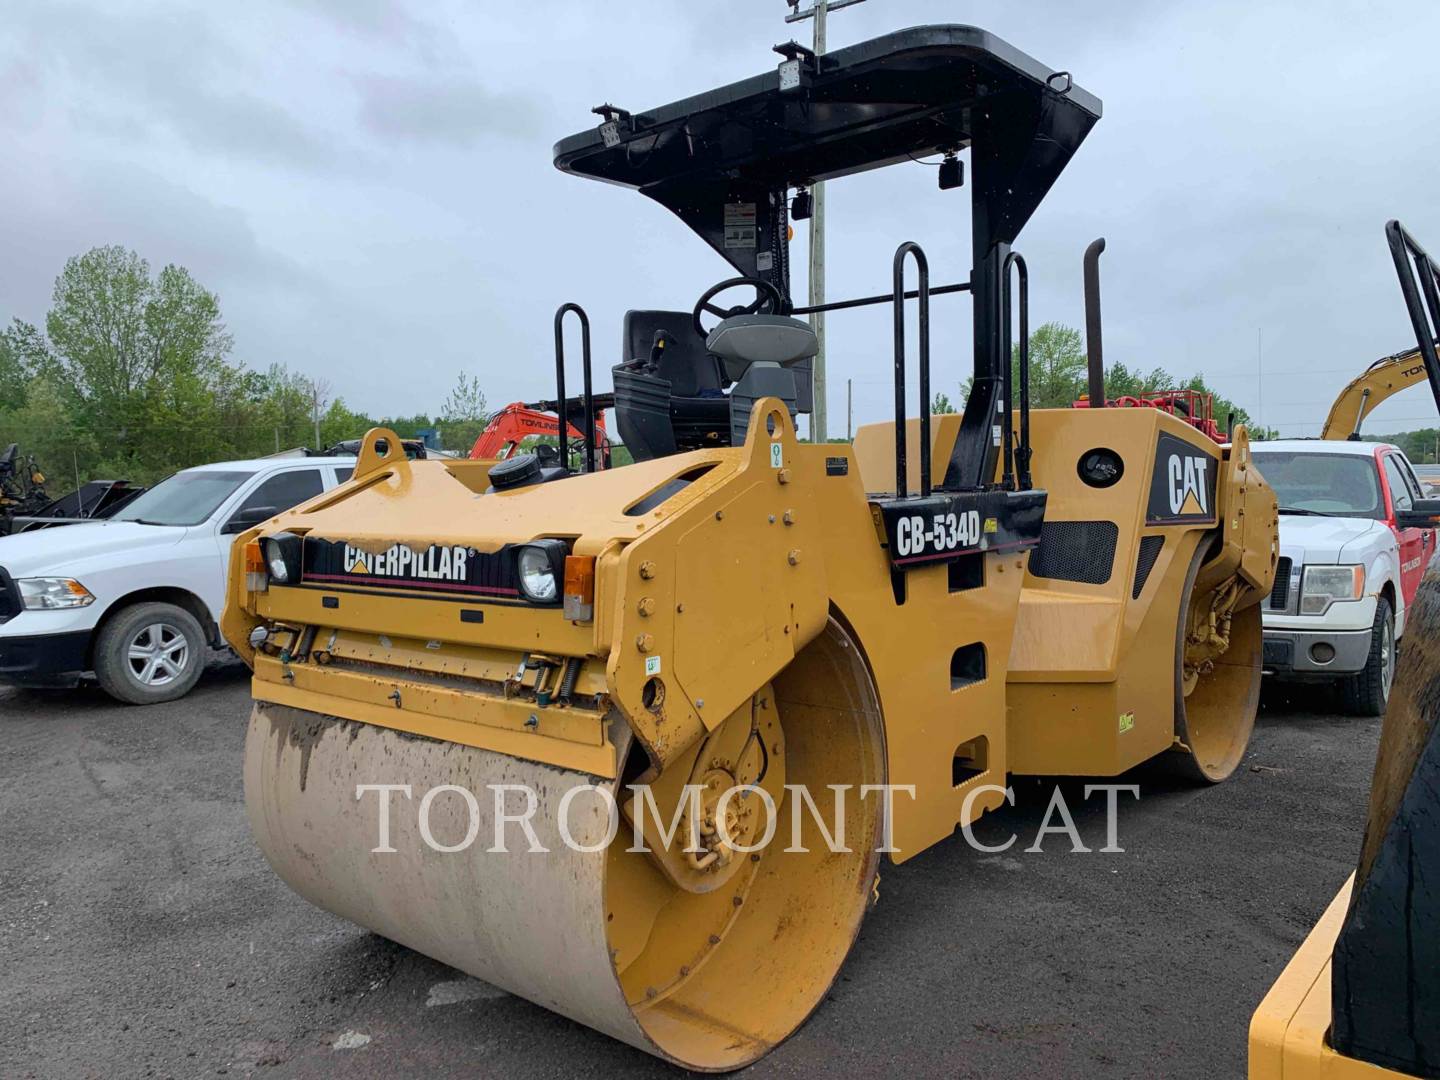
x=1383, y=379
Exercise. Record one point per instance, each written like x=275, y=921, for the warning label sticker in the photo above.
x=740, y=225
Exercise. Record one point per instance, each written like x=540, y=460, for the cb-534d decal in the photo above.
x=942, y=527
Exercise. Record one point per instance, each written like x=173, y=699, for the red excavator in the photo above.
x=519, y=420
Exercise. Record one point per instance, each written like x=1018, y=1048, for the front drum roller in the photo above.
x=1216, y=695
x=709, y=976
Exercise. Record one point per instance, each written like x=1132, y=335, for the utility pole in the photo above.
x=1260, y=376
x=849, y=410
x=818, y=432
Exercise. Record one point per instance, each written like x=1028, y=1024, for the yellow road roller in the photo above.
x=631, y=743
x=1360, y=999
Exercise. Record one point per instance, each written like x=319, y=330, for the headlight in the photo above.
x=50, y=593
x=1323, y=585
x=540, y=567
x=282, y=557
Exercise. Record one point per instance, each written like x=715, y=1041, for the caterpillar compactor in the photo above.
x=741, y=620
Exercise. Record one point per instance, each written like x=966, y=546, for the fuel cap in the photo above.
x=518, y=471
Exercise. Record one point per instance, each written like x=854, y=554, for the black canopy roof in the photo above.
x=907, y=94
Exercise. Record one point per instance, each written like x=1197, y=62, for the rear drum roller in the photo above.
x=1216, y=692
x=707, y=960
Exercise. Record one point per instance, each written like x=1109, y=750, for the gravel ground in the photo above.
x=142, y=934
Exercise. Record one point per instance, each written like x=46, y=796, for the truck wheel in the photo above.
x=1367, y=693
x=150, y=653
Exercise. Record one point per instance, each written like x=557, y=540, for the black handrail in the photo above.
x=1402, y=248
x=1094, y=347
x=589, y=399
x=1022, y=453
x=922, y=266
x=882, y=298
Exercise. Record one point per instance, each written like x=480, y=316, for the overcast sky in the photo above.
x=368, y=185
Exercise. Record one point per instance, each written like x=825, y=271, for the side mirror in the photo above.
x=1424, y=514
x=254, y=515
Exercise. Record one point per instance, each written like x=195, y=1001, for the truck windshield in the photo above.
x=1338, y=485
x=186, y=498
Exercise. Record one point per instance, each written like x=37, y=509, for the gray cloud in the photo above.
x=160, y=72
x=368, y=185
x=455, y=111
x=249, y=128
x=95, y=201
x=376, y=19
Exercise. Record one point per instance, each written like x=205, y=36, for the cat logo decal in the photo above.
x=1182, y=484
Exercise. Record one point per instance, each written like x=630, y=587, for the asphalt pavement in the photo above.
x=142, y=933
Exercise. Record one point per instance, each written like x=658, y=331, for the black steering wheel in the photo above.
x=767, y=299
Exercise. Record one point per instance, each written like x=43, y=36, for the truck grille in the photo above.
x=10, y=603
x=1280, y=594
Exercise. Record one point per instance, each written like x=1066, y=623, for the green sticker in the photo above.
x=1127, y=722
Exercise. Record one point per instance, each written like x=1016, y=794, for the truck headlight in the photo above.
x=50, y=593
x=540, y=567
x=1323, y=585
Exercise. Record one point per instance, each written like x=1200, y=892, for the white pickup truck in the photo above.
x=137, y=598
x=1350, y=564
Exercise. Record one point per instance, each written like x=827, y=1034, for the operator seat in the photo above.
x=670, y=391
x=756, y=352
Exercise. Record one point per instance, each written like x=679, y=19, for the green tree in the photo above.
x=43, y=425
x=463, y=416
x=1225, y=408
x=1120, y=381
x=139, y=359
x=1057, y=367
x=940, y=405
x=1421, y=446
x=19, y=346
x=1059, y=376
x=283, y=409
x=131, y=379
x=340, y=422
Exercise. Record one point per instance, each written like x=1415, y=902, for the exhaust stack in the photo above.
x=1094, y=347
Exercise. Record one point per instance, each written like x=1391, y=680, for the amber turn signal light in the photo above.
x=256, y=578
x=579, y=588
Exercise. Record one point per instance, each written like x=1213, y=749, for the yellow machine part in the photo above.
x=1288, y=1033
x=757, y=602
x=709, y=980
x=1133, y=647
x=1292, y=1031
x=1383, y=379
